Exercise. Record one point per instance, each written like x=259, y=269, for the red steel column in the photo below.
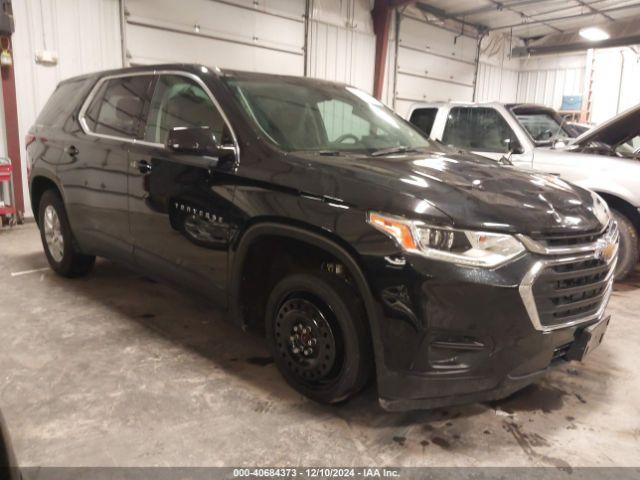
x=11, y=122
x=381, y=13
x=381, y=22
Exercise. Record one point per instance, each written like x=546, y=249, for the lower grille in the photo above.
x=567, y=292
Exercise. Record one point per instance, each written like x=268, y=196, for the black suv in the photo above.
x=311, y=211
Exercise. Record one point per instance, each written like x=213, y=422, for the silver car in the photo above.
x=603, y=159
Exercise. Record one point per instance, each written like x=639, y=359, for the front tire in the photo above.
x=317, y=333
x=57, y=239
x=628, y=251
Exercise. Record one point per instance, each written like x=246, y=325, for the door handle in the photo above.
x=72, y=151
x=143, y=166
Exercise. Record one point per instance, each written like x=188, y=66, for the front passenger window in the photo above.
x=479, y=129
x=180, y=102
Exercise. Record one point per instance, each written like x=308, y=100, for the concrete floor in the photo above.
x=114, y=369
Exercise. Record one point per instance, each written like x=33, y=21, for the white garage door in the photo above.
x=434, y=64
x=230, y=34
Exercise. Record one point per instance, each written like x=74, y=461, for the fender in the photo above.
x=48, y=175
x=373, y=309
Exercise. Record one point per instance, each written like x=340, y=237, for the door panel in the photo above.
x=95, y=174
x=180, y=205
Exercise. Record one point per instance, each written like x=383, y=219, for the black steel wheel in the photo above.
x=305, y=339
x=318, y=336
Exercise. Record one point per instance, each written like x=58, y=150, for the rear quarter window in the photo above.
x=62, y=102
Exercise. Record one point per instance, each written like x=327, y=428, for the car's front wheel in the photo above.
x=57, y=239
x=628, y=252
x=317, y=333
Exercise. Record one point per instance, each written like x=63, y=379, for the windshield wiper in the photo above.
x=392, y=150
x=329, y=153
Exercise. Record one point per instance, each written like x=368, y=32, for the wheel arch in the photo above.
x=314, y=239
x=38, y=185
x=623, y=206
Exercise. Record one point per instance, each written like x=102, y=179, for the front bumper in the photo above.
x=452, y=335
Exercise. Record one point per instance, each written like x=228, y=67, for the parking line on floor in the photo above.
x=27, y=272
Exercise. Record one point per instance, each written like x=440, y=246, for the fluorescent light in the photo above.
x=594, y=34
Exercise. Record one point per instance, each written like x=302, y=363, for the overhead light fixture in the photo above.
x=594, y=34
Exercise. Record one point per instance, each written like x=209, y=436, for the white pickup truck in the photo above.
x=605, y=159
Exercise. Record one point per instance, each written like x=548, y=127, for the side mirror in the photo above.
x=513, y=147
x=558, y=143
x=196, y=141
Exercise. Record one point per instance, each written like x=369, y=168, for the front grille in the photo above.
x=567, y=292
x=569, y=240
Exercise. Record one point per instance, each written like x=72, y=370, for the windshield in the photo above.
x=296, y=114
x=542, y=126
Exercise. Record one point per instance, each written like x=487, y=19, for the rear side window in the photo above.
x=479, y=129
x=118, y=107
x=65, y=98
x=423, y=118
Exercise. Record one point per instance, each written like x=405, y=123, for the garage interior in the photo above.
x=116, y=369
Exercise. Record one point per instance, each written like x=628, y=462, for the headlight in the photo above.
x=464, y=247
x=601, y=209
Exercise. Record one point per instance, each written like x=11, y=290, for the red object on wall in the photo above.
x=11, y=122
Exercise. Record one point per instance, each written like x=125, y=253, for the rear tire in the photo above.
x=628, y=252
x=318, y=335
x=58, y=242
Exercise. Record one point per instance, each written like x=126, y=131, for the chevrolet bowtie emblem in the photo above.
x=606, y=251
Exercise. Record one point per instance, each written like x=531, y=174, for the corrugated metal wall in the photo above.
x=616, y=80
x=546, y=79
x=496, y=84
x=497, y=72
x=85, y=34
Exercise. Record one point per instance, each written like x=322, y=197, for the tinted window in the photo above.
x=65, y=98
x=481, y=129
x=299, y=114
x=180, y=102
x=119, y=105
x=423, y=118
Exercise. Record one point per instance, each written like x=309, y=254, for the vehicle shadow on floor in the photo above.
x=196, y=325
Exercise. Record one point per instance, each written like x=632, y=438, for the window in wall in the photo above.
x=479, y=129
x=180, y=102
x=118, y=107
x=423, y=118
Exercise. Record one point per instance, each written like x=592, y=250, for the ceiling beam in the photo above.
x=566, y=17
x=443, y=15
x=524, y=15
x=622, y=33
x=493, y=7
x=594, y=10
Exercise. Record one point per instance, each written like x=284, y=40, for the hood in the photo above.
x=615, y=131
x=473, y=192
